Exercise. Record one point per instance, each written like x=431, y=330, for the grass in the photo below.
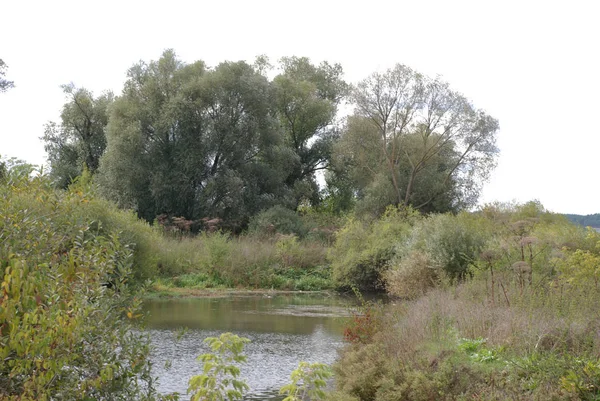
x=453, y=343
x=219, y=261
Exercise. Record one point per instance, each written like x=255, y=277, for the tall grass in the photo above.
x=539, y=343
x=218, y=260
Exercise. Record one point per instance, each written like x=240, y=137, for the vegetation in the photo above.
x=414, y=141
x=520, y=322
x=68, y=309
x=363, y=248
x=592, y=220
x=228, y=143
x=220, y=163
x=308, y=382
x=219, y=379
x=4, y=83
x=80, y=140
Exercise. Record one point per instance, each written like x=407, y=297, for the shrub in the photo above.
x=277, y=219
x=449, y=244
x=307, y=382
x=363, y=249
x=67, y=312
x=411, y=276
x=220, y=371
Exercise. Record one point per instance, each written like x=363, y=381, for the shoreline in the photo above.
x=169, y=293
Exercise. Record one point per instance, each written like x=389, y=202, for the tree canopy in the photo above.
x=80, y=139
x=414, y=141
x=228, y=141
x=193, y=141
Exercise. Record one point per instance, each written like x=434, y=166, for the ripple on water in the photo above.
x=271, y=355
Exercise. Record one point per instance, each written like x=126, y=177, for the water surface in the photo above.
x=283, y=330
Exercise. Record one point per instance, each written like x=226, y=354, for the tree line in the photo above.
x=189, y=140
x=592, y=220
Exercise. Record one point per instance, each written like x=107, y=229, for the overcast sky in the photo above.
x=533, y=65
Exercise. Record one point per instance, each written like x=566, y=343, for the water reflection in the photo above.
x=283, y=330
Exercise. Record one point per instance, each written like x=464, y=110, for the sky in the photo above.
x=533, y=65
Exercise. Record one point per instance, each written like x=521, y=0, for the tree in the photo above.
x=192, y=141
x=4, y=83
x=414, y=141
x=80, y=139
x=64, y=334
x=307, y=98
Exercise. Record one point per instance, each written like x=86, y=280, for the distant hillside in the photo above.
x=592, y=220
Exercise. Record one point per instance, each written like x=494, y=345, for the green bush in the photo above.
x=277, y=219
x=363, y=249
x=449, y=244
x=308, y=381
x=67, y=312
x=220, y=371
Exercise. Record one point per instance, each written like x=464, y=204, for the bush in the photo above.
x=411, y=276
x=446, y=243
x=363, y=249
x=277, y=219
x=67, y=312
x=220, y=371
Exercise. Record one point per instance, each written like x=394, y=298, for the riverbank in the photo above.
x=273, y=279
x=540, y=342
x=159, y=291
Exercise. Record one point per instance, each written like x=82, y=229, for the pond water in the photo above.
x=283, y=330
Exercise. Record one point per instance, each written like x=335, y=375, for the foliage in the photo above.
x=308, y=381
x=476, y=350
x=67, y=310
x=592, y=220
x=364, y=323
x=363, y=249
x=192, y=141
x=582, y=267
x=411, y=276
x=79, y=140
x=306, y=101
x=414, y=141
x=224, y=142
x=453, y=243
x=219, y=379
x=228, y=142
x=583, y=379
x=277, y=219
x=4, y=83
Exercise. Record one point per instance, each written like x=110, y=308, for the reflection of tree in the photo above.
x=248, y=314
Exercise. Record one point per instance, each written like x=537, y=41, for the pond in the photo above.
x=283, y=330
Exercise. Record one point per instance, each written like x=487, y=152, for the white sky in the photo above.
x=534, y=65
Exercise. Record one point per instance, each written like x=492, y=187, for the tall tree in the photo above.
x=193, y=141
x=80, y=139
x=307, y=98
x=414, y=141
x=4, y=83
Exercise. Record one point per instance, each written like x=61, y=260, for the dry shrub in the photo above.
x=538, y=336
x=411, y=277
x=524, y=326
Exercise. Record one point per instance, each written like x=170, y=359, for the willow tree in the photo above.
x=306, y=102
x=193, y=141
x=80, y=138
x=412, y=140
